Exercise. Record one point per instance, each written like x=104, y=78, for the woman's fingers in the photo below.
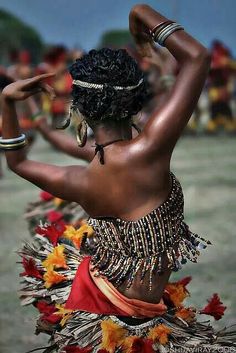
x=26, y=94
x=48, y=89
x=144, y=44
x=23, y=89
x=36, y=80
x=144, y=49
x=35, y=85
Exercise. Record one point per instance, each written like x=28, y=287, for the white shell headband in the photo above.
x=100, y=86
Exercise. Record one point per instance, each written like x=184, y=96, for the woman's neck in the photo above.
x=112, y=131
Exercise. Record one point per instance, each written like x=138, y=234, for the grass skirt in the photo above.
x=50, y=263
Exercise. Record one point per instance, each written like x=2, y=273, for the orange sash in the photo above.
x=132, y=307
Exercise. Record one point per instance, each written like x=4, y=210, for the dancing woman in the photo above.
x=104, y=287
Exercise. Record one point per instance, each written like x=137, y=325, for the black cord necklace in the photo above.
x=99, y=148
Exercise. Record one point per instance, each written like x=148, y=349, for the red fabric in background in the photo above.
x=86, y=296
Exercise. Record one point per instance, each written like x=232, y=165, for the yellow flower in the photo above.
x=76, y=235
x=57, y=201
x=112, y=335
x=65, y=313
x=177, y=293
x=52, y=277
x=56, y=258
x=159, y=333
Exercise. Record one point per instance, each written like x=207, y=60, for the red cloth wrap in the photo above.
x=86, y=296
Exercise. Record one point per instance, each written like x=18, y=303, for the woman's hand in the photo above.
x=140, y=32
x=23, y=89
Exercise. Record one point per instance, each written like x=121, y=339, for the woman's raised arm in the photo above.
x=62, y=141
x=56, y=180
x=167, y=123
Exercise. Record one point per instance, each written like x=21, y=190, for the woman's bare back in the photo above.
x=128, y=191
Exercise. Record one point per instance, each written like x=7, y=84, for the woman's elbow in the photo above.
x=201, y=57
x=14, y=165
x=199, y=61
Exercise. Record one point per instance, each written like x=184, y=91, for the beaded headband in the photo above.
x=100, y=86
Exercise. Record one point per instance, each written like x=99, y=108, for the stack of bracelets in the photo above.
x=162, y=31
x=13, y=144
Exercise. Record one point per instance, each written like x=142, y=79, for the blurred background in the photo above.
x=44, y=36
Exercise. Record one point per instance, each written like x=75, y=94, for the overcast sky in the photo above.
x=81, y=22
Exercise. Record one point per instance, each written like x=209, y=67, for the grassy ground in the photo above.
x=206, y=167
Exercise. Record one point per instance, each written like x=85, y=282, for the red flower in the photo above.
x=52, y=232
x=214, y=307
x=185, y=281
x=30, y=268
x=52, y=319
x=45, y=308
x=45, y=196
x=48, y=311
x=76, y=349
x=54, y=216
x=136, y=344
x=141, y=345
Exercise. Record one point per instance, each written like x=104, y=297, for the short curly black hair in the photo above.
x=111, y=68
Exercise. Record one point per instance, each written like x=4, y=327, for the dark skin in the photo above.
x=135, y=177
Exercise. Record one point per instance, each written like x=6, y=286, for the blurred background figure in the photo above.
x=20, y=65
x=220, y=90
x=56, y=60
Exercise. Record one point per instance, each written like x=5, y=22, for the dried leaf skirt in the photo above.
x=50, y=264
x=52, y=209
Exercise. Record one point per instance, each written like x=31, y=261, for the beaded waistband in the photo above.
x=121, y=248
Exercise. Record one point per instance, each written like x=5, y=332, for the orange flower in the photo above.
x=177, y=293
x=76, y=235
x=56, y=258
x=112, y=335
x=159, y=333
x=187, y=314
x=52, y=277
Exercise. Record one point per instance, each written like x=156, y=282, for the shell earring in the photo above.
x=65, y=122
x=80, y=124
